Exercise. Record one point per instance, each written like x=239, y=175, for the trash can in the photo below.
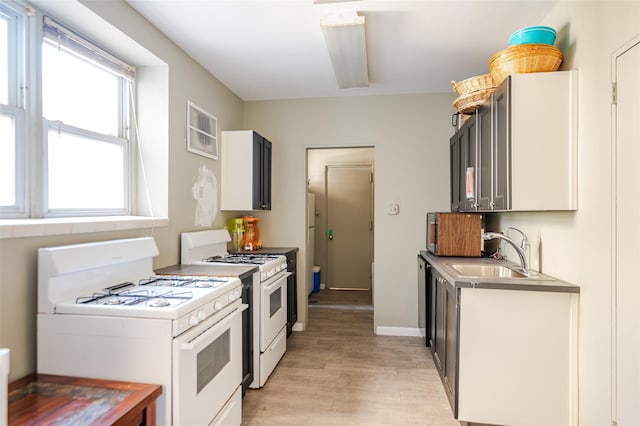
x=316, y=279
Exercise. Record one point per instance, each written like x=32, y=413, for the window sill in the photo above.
x=23, y=228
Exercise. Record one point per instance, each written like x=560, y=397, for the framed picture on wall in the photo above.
x=202, y=132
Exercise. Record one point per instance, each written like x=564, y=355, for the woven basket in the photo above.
x=467, y=104
x=474, y=84
x=524, y=58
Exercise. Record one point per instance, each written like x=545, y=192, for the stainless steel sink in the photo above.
x=487, y=271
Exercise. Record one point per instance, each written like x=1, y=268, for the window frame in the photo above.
x=16, y=109
x=27, y=35
x=91, y=52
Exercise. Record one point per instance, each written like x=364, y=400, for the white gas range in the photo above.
x=102, y=314
x=269, y=294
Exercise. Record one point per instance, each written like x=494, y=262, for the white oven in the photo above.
x=205, y=362
x=269, y=294
x=102, y=314
x=274, y=309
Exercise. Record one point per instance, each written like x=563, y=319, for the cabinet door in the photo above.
x=451, y=350
x=431, y=311
x=502, y=146
x=422, y=298
x=261, y=173
x=266, y=175
x=292, y=292
x=484, y=178
x=439, y=350
x=469, y=165
x=454, y=157
x=257, y=170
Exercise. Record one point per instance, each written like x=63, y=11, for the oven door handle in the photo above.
x=276, y=281
x=202, y=340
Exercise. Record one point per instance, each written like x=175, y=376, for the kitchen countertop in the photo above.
x=49, y=399
x=217, y=270
x=537, y=282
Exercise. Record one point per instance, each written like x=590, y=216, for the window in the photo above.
x=81, y=159
x=12, y=113
x=85, y=99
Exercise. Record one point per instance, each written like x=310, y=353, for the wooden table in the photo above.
x=56, y=400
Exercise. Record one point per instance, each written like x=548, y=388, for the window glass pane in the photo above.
x=4, y=61
x=84, y=173
x=78, y=92
x=7, y=161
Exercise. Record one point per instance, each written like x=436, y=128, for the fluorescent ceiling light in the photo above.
x=344, y=35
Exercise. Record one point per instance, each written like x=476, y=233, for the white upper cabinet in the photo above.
x=544, y=141
x=246, y=171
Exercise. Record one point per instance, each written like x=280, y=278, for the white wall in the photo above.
x=576, y=246
x=410, y=135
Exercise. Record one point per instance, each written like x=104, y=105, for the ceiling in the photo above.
x=274, y=49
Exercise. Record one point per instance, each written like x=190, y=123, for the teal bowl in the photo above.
x=533, y=35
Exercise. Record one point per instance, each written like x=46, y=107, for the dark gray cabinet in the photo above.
x=424, y=300
x=463, y=150
x=261, y=173
x=245, y=171
x=292, y=291
x=445, y=335
x=484, y=167
x=501, y=142
x=454, y=168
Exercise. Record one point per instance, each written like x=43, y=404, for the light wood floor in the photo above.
x=339, y=373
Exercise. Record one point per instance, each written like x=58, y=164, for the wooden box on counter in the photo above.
x=454, y=234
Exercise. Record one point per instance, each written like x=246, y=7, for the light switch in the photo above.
x=393, y=208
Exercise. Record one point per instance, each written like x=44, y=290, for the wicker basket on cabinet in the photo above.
x=524, y=58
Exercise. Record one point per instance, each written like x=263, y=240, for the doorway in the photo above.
x=349, y=226
x=626, y=292
x=342, y=181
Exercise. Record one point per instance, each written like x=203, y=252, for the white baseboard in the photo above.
x=297, y=327
x=398, y=331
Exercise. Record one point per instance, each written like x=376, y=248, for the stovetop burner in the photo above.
x=242, y=258
x=184, y=281
x=125, y=294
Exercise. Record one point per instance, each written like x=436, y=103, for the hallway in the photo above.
x=339, y=373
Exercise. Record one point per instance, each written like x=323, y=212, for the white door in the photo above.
x=627, y=248
x=350, y=226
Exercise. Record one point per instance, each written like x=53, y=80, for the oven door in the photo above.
x=273, y=308
x=207, y=367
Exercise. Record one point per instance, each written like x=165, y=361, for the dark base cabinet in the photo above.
x=292, y=292
x=247, y=334
x=444, y=329
x=424, y=300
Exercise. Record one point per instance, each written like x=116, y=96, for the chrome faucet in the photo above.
x=521, y=250
x=524, y=244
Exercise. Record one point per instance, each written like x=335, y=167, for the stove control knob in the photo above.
x=217, y=306
x=201, y=316
x=193, y=320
